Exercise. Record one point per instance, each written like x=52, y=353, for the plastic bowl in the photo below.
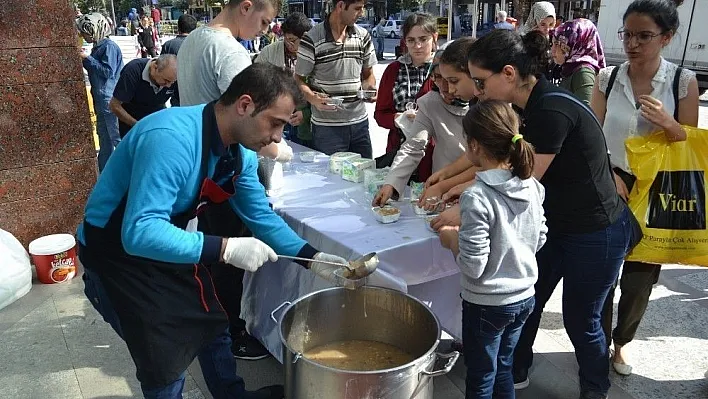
x=386, y=214
x=308, y=156
x=335, y=101
x=418, y=210
x=428, y=219
x=366, y=94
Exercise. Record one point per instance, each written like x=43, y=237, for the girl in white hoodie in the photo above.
x=502, y=228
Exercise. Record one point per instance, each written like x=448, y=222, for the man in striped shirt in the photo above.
x=338, y=58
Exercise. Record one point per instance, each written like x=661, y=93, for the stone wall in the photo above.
x=47, y=156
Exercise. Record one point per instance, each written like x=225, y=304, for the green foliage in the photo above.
x=411, y=5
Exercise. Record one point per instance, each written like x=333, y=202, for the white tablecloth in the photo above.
x=335, y=216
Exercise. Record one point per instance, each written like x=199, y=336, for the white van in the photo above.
x=687, y=49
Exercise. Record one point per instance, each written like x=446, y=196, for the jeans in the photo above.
x=107, y=132
x=352, y=138
x=589, y=264
x=489, y=335
x=215, y=358
x=380, y=46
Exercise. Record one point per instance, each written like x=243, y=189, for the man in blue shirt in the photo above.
x=144, y=87
x=143, y=261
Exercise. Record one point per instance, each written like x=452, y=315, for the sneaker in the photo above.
x=521, y=379
x=246, y=347
x=269, y=392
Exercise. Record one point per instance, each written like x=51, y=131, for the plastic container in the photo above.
x=308, y=156
x=54, y=257
x=390, y=214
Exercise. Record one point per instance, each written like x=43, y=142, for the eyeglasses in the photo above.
x=411, y=41
x=643, y=37
x=479, y=83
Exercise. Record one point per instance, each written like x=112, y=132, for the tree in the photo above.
x=410, y=5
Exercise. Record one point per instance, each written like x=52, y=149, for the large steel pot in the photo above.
x=368, y=313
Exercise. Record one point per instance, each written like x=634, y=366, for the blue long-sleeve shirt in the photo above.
x=158, y=166
x=103, y=67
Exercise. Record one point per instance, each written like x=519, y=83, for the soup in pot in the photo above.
x=359, y=355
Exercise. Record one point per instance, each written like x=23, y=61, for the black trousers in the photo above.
x=228, y=280
x=636, y=283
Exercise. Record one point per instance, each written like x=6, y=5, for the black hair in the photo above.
x=663, y=12
x=186, y=23
x=455, y=54
x=347, y=3
x=494, y=125
x=297, y=24
x=426, y=21
x=265, y=83
x=501, y=47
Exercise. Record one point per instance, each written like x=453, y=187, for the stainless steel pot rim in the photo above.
x=299, y=357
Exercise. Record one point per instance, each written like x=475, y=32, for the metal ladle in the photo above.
x=360, y=267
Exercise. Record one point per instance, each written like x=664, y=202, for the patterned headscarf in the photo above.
x=539, y=12
x=93, y=25
x=582, y=42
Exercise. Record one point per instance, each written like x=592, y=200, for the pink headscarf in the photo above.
x=581, y=37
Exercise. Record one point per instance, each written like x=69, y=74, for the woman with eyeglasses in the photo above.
x=439, y=117
x=401, y=83
x=641, y=96
x=577, y=49
x=283, y=53
x=588, y=224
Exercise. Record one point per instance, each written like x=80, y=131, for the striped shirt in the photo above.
x=335, y=68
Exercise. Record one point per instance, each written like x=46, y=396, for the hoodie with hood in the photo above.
x=502, y=227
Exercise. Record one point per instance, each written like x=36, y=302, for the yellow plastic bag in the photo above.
x=93, y=116
x=669, y=197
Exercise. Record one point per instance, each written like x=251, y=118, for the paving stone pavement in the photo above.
x=53, y=344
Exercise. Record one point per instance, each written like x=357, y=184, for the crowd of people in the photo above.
x=519, y=132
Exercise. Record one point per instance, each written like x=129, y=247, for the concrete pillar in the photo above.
x=47, y=155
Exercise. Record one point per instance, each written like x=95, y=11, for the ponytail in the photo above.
x=521, y=158
x=494, y=125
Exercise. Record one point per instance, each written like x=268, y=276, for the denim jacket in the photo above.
x=103, y=66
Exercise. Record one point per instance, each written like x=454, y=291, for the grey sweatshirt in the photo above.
x=502, y=228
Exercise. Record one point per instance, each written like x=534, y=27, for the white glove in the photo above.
x=248, y=253
x=285, y=152
x=327, y=271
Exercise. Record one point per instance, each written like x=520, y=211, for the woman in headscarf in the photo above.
x=541, y=18
x=577, y=49
x=103, y=66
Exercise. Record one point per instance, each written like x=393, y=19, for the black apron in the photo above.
x=167, y=311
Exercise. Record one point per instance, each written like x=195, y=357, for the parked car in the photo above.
x=366, y=24
x=392, y=28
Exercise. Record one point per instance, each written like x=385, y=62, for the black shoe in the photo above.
x=246, y=347
x=269, y=392
x=521, y=378
x=592, y=395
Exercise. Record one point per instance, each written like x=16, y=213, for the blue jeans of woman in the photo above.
x=489, y=335
x=107, y=132
x=589, y=264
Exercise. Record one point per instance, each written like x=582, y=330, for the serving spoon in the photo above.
x=360, y=267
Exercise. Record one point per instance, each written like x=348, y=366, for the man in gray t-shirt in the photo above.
x=338, y=58
x=209, y=58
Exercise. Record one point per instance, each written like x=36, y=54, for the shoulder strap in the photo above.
x=576, y=101
x=677, y=80
x=611, y=82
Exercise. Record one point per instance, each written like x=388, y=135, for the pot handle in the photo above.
x=282, y=305
x=452, y=356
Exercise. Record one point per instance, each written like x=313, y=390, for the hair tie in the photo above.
x=516, y=138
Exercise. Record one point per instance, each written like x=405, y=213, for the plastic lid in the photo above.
x=52, y=244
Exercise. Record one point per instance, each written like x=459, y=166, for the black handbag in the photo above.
x=636, y=233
